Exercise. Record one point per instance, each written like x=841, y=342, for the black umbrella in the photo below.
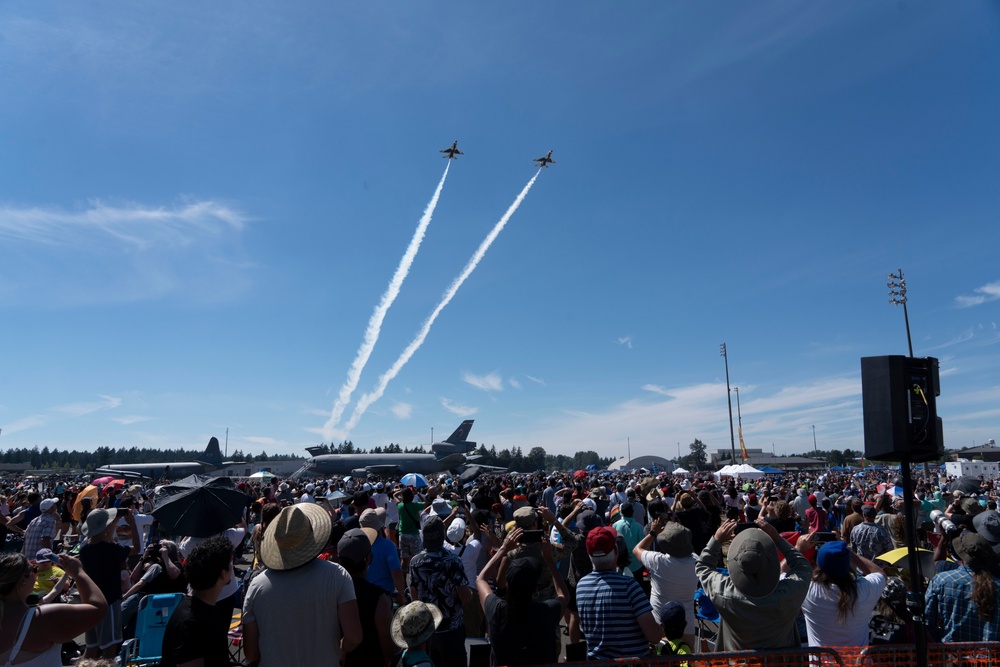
x=967, y=485
x=200, y=506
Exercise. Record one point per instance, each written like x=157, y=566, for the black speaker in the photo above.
x=899, y=396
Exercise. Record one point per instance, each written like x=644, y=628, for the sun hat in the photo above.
x=414, y=624
x=432, y=533
x=975, y=551
x=456, y=531
x=753, y=563
x=834, y=559
x=525, y=517
x=441, y=507
x=296, y=536
x=98, y=521
x=675, y=540
x=589, y=502
x=601, y=541
x=373, y=518
x=970, y=506
x=987, y=524
x=310, y=488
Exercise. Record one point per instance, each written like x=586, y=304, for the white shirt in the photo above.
x=823, y=625
x=124, y=535
x=469, y=556
x=671, y=579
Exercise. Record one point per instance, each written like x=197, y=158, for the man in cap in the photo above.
x=301, y=610
x=668, y=554
x=615, y=616
x=868, y=539
x=42, y=529
x=307, y=495
x=438, y=577
x=758, y=608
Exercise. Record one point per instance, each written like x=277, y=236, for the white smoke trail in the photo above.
x=365, y=401
x=378, y=315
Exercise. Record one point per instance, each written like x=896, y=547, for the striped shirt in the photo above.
x=609, y=605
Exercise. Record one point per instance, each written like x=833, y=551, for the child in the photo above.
x=411, y=630
x=673, y=620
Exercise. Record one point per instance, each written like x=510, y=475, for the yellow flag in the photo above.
x=743, y=447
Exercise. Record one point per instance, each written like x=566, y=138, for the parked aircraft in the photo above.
x=545, y=161
x=452, y=152
x=208, y=461
x=449, y=455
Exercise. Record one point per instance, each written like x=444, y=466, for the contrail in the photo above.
x=378, y=315
x=387, y=377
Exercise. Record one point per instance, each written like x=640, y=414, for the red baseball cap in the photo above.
x=601, y=541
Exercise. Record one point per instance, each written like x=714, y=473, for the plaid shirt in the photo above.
x=43, y=525
x=951, y=614
x=870, y=540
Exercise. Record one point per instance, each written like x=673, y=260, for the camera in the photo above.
x=946, y=525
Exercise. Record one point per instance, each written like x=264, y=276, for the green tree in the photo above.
x=698, y=453
x=535, y=460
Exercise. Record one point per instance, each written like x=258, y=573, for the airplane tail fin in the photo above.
x=461, y=433
x=212, y=454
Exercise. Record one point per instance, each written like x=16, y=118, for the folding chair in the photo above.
x=151, y=623
x=707, y=621
x=236, y=656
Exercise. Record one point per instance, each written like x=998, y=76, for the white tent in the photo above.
x=681, y=471
x=746, y=471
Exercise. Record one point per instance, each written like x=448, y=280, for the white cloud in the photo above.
x=491, y=382
x=264, y=441
x=514, y=382
x=626, y=341
x=25, y=423
x=983, y=294
x=61, y=412
x=656, y=389
x=401, y=410
x=130, y=419
x=538, y=381
x=81, y=409
x=460, y=410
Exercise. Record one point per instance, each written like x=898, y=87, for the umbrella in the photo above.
x=592, y=468
x=263, y=474
x=89, y=492
x=967, y=485
x=413, y=479
x=898, y=557
x=891, y=489
x=580, y=474
x=113, y=484
x=200, y=506
x=103, y=480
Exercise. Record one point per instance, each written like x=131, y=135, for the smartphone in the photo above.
x=529, y=536
x=824, y=537
x=740, y=527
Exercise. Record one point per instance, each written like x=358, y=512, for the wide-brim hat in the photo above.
x=415, y=623
x=296, y=536
x=98, y=521
x=753, y=563
x=675, y=540
x=987, y=524
x=975, y=551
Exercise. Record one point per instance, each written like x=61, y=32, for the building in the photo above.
x=651, y=463
x=987, y=452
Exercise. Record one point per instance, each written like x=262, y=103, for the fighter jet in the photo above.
x=204, y=463
x=452, y=152
x=545, y=161
x=449, y=455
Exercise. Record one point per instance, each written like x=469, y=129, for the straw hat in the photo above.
x=295, y=537
x=415, y=623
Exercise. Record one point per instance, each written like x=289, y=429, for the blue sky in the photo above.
x=201, y=206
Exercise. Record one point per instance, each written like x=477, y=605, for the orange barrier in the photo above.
x=965, y=654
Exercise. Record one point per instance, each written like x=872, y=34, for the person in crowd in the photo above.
x=47, y=573
x=632, y=532
x=782, y=518
x=226, y=603
x=667, y=553
x=853, y=508
x=522, y=630
x=438, y=577
x=41, y=531
x=758, y=608
x=34, y=635
x=467, y=545
x=690, y=514
x=673, y=620
x=615, y=616
x=267, y=514
x=839, y=604
x=384, y=569
x=158, y=571
x=300, y=610
x=815, y=516
x=104, y=561
x=354, y=552
x=409, y=524
x=191, y=636
x=963, y=605
x=891, y=621
x=868, y=539
x=412, y=628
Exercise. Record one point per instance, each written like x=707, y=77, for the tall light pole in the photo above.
x=815, y=449
x=739, y=422
x=897, y=297
x=432, y=435
x=729, y=398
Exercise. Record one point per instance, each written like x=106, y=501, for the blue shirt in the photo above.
x=385, y=559
x=951, y=614
x=609, y=605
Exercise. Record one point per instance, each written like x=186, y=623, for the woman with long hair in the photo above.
x=839, y=603
x=962, y=604
x=39, y=632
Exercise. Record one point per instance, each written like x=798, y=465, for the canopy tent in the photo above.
x=771, y=470
x=746, y=471
x=681, y=471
